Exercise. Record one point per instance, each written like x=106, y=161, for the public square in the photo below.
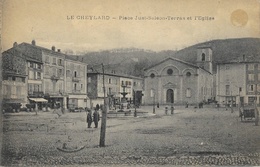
x=191, y=136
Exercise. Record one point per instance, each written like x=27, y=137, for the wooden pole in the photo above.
x=104, y=114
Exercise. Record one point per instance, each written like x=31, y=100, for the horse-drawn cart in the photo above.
x=247, y=112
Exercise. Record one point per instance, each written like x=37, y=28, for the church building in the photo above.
x=176, y=81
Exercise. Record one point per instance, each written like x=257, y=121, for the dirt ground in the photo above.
x=190, y=136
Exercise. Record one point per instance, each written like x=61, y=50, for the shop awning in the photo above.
x=13, y=101
x=38, y=99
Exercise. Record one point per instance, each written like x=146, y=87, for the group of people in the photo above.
x=94, y=119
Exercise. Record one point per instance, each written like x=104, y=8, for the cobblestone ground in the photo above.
x=190, y=136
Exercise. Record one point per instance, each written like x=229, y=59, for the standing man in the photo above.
x=89, y=118
x=96, y=118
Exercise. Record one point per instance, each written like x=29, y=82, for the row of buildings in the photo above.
x=42, y=77
x=232, y=82
x=39, y=78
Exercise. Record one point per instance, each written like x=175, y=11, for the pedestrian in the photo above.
x=97, y=107
x=96, y=118
x=89, y=118
x=187, y=105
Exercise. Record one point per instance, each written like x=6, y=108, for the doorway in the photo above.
x=169, y=96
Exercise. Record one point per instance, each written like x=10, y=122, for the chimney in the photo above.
x=33, y=42
x=15, y=44
x=58, y=50
x=53, y=48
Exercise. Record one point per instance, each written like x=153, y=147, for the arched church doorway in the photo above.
x=169, y=96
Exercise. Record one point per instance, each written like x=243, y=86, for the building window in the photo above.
x=30, y=87
x=251, y=99
x=169, y=71
x=38, y=75
x=134, y=84
x=258, y=87
x=227, y=89
x=122, y=83
x=203, y=57
x=68, y=73
x=251, y=88
x=251, y=77
x=60, y=72
x=60, y=87
x=250, y=66
x=31, y=64
x=47, y=60
x=81, y=86
x=152, y=93
x=60, y=62
x=75, y=86
x=39, y=66
x=75, y=73
x=188, y=92
x=152, y=75
x=46, y=70
x=109, y=80
x=188, y=74
x=54, y=71
x=54, y=60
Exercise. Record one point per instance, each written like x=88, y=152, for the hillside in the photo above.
x=132, y=61
x=224, y=50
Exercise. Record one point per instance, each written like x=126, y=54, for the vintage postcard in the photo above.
x=130, y=83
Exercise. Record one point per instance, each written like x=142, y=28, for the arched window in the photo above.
x=75, y=86
x=75, y=73
x=203, y=57
x=188, y=92
x=169, y=71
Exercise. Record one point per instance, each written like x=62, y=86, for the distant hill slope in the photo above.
x=132, y=61
x=224, y=50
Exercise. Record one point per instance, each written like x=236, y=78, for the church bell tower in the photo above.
x=204, y=58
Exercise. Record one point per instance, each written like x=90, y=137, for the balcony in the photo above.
x=76, y=91
x=76, y=79
x=35, y=94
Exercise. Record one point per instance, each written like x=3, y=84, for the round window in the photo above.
x=188, y=74
x=152, y=75
x=169, y=71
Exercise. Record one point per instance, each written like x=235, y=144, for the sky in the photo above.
x=66, y=24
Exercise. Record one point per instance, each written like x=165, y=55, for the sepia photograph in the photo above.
x=130, y=83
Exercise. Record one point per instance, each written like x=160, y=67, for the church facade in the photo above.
x=179, y=82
